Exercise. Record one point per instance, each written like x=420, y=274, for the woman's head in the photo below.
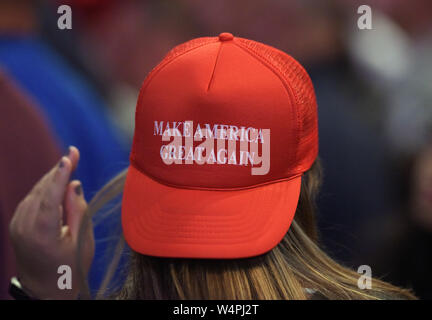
x=269, y=276
x=224, y=129
x=223, y=159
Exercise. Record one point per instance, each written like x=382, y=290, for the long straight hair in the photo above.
x=295, y=269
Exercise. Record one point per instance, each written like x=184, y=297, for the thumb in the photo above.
x=75, y=207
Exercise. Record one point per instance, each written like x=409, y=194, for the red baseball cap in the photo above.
x=224, y=129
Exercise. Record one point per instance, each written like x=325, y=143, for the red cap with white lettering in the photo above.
x=224, y=129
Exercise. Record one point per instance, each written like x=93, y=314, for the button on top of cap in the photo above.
x=225, y=36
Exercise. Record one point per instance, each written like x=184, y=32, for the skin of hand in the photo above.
x=44, y=232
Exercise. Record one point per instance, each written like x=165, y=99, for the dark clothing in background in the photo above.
x=356, y=186
x=404, y=258
x=27, y=151
x=414, y=252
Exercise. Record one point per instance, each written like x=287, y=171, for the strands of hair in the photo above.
x=295, y=269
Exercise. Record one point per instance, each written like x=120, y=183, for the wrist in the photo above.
x=47, y=290
x=18, y=292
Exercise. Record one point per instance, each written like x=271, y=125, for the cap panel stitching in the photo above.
x=214, y=68
x=165, y=61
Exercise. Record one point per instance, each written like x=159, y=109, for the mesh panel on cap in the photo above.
x=299, y=83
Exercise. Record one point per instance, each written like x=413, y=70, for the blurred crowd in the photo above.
x=374, y=91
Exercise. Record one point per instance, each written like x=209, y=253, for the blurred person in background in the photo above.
x=73, y=112
x=28, y=149
x=395, y=57
x=401, y=251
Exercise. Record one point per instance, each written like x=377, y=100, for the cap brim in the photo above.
x=163, y=221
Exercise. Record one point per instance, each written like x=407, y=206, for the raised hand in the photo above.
x=44, y=232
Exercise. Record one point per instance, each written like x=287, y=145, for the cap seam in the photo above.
x=156, y=70
x=159, y=67
x=214, y=68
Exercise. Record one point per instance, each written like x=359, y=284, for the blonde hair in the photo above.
x=295, y=269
